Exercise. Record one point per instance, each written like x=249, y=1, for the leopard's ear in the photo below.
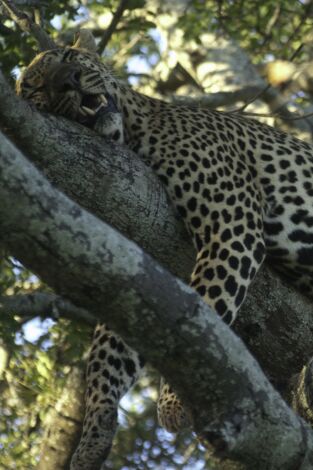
x=84, y=40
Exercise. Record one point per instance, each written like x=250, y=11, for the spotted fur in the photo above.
x=241, y=187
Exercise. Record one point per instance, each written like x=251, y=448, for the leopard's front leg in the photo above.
x=113, y=367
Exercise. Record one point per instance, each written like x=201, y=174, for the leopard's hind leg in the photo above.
x=231, y=250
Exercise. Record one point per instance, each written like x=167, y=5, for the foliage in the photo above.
x=39, y=356
x=38, y=364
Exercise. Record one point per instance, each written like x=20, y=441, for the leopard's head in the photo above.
x=72, y=82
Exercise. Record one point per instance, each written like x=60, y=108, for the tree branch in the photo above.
x=270, y=96
x=31, y=3
x=233, y=405
x=43, y=304
x=112, y=26
x=27, y=25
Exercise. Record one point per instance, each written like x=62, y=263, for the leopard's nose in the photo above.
x=73, y=79
x=68, y=80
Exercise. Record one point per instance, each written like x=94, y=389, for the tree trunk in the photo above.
x=63, y=424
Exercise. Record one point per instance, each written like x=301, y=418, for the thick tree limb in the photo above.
x=233, y=404
x=120, y=189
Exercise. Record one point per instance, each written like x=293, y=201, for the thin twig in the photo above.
x=277, y=115
x=271, y=24
x=243, y=107
x=296, y=52
x=272, y=21
x=37, y=16
x=27, y=25
x=112, y=27
x=271, y=97
x=268, y=86
x=189, y=451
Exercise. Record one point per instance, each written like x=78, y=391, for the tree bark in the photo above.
x=233, y=404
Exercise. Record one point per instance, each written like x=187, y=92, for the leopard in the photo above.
x=243, y=189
